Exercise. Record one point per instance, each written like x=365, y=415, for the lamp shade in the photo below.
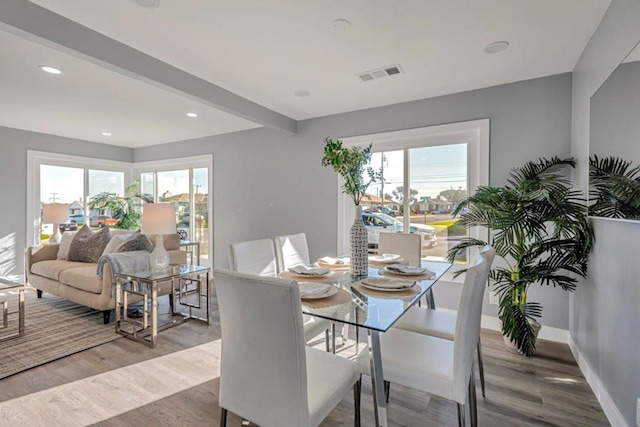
x=158, y=218
x=55, y=213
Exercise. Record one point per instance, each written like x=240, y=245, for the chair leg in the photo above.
x=387, y=390
x=106, y=316
x=461, y=420
x=431, y=301
x=473, y=408
x=357, y=392
x=327, y=339
x=357, y=340
x=39, y=293
x=223, y=417
x=481, y=368
x=333, y=337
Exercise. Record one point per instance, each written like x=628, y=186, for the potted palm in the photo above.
x=615, y=188
x=126, y=209
x=538, y=227
x=351, y=164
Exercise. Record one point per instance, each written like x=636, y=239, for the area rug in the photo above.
x=54, y=328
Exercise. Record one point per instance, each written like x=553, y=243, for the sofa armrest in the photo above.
x=40, y=253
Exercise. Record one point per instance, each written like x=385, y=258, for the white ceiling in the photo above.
x=266, y=50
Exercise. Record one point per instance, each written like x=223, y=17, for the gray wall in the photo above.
x=605, y=315
x=14, y=144
x=268, y=183
x=614, y=128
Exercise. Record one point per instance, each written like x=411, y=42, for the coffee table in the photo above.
x=189, y=285
x=7, y=288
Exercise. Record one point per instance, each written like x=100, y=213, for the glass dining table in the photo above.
x=374, y=310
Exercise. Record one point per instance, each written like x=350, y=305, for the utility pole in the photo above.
x=53, y=197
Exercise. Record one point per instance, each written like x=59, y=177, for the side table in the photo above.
x=10, y=286
x=189, y=283
x=191, y=248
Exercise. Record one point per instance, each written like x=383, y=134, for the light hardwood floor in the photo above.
x=547, y=390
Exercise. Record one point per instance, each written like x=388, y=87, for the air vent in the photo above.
x=380, y=73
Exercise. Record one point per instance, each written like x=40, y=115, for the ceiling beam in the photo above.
x=35, y=23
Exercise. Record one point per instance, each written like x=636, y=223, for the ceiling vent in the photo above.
x=380, y=73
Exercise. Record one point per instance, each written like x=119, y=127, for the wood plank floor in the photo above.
x=547, y=390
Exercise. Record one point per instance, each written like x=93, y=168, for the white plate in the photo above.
x=371, y=285
x=331, y=290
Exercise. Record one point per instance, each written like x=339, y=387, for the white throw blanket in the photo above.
x=125, y=262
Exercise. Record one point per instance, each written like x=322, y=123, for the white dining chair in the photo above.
x=258, y=257
x=292, y=251
x=437, y=366
x=442, y=323
x=267, y=374
x=409, y=247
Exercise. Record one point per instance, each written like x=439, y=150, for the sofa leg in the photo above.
x=39, y=293
x=106, y=315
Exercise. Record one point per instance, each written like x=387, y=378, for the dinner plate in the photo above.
x=389, y=282
x=292, y=275
x=343, y=266
x=331, y=290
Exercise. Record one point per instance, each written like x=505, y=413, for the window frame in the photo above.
x=475, y=133
x=35, y=159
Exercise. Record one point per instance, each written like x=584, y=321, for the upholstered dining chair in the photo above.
x=258, y=257
x=267, y=374
x=292, y=251
x=409, y=247
x=442, y=323
x=437, y=366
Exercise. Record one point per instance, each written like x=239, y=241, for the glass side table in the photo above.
x=8, y=288
x=189, y=286
x=192, y=249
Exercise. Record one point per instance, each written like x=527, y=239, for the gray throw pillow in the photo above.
x=137, y=242
x=87, y=246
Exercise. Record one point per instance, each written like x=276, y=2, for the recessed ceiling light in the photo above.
x=105, y=134
x=50, y=70
x=302, y=93
x=192, y=115
x=495, y=47
x=341, y=24
x=147, y=3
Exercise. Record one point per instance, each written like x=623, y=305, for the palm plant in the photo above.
x=615, y=188
x=351, y=163
x=124, y=208
x=538, y=227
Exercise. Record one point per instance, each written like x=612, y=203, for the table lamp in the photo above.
x=55, y=214
x=159, y=219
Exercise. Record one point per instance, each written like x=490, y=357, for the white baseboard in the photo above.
x=546, y=333
x=606, y=402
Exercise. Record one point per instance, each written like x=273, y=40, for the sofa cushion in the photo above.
x=65, y=244
x=83, y=278
x=169, y=241
x=87, y=246
x=51, y=269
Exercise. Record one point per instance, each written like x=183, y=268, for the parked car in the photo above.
x=388, y=211
x=102, y=220
x=377, y=223
x=69, y=226
x=77, y=218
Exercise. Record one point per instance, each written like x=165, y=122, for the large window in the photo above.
x=185, y=184
x=74, y=180
x=426, y=172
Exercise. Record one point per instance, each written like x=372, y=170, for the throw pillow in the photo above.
x=137, y=242
x=65, y=244
x=87, y=246
x=115, y=242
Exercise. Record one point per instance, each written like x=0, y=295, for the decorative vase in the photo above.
x=359, y=239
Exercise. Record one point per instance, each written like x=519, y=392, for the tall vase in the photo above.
x=359, y=238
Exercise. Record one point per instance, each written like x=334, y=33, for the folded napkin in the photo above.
x=385, y=283
x=333, y=261
x=312, y=289
x=384, y=257
x=306, y=271
x=405, y=269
